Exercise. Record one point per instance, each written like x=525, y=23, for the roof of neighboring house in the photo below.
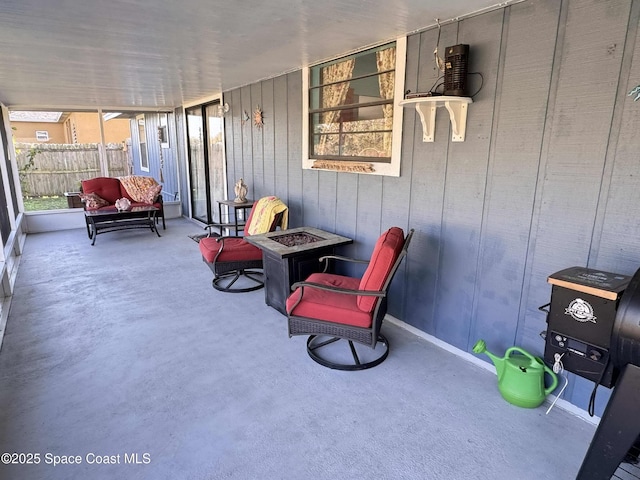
x=28, y=116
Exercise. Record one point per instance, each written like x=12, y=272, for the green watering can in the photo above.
x=520, y=376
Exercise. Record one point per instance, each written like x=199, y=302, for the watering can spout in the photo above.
x=499, y=363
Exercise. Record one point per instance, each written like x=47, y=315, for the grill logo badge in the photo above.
x=581, y=311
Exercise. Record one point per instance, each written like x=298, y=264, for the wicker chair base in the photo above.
x=311, y=326
x=315, y=343
x=225, y=281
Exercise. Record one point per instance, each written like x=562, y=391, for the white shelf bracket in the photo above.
x=426, y=108
x=428, y=118
x=458, y=116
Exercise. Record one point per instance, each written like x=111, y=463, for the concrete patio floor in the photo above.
x=122, y=358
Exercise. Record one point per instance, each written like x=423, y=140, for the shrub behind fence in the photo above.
x=60, y=168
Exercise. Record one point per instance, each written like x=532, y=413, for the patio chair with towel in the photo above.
x=231, y=257
x=331, y=307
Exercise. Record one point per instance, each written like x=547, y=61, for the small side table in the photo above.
x=238, y=223
x=73, y=200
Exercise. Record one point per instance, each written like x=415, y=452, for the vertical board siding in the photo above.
x=618, y=237
x=547, y=177
x=169, y=181
x=268, y=146
x=247, y=145
x=257, y=137
x=280, y=137
x=294, y=144
x=310, y=198
x=576, y=151
x=465, y=188
x=327, y=206
x=519, y=124
x=428, y=173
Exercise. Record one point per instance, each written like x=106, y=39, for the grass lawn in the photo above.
x=53, y=202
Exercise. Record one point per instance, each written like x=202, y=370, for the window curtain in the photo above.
x=386, y=60
x=334, y=95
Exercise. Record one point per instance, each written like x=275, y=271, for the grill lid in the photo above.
x=625, y=337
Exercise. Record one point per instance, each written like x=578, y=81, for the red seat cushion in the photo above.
x=384, y=255
x=106, y=187
x=330, y=306
x=235, y=250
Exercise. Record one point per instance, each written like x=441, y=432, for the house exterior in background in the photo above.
x=149, y=157
x=68, y=127
x=546, y=178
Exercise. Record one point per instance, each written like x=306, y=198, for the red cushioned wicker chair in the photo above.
x=331, y=307
x=231, y=257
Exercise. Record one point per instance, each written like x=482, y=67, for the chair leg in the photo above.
x=89, y=232
x=224, y=282
x=164, y=227
x=315, y=343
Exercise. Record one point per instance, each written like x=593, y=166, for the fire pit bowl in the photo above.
x=296, y=239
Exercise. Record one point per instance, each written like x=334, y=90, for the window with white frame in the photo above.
x=142, y=143
x=42, y=135
x=163, y=130
x=351, y=120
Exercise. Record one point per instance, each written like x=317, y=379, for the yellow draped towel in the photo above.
x=264, y=213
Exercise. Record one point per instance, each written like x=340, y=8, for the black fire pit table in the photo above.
x=290, y=256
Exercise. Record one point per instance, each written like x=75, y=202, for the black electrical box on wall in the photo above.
x=456, y=60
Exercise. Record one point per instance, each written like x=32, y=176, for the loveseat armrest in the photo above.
x=332, y=288
x=211, y=226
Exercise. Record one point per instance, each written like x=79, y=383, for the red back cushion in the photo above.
x=384, y=255
x=106, y=187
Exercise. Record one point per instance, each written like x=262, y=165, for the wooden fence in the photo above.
x=60, y=168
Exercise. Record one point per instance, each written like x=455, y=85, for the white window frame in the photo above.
x=140, y=118
x=391, y=169
x=42, y=135
x=163, y=130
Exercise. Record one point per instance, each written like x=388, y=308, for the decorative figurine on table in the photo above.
x=241, y=191
x=123, y=204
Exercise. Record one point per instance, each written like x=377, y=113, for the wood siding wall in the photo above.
x=547, y=178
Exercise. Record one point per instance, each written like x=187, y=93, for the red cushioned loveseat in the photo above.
x=97, y=191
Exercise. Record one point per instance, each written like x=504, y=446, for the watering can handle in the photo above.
x=554, y=377
x=519, y=350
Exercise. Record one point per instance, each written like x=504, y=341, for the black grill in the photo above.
x=625, y=341
x=593, y=322
x=580, y=321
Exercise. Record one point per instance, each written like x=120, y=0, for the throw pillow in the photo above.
x=151, y=194
x=93, y=200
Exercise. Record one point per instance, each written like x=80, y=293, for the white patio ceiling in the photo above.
x=164, y=53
